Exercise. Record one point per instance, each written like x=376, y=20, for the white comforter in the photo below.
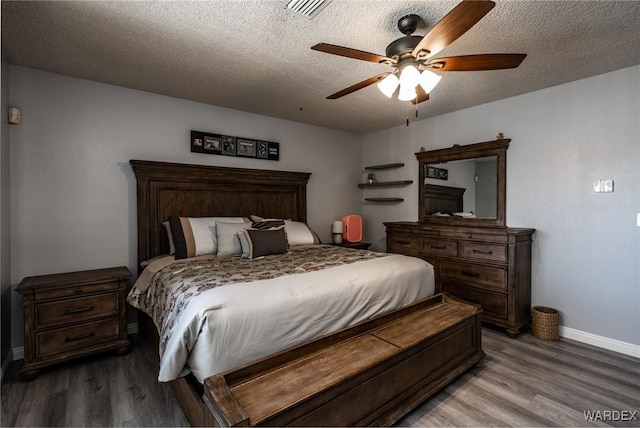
x=227, y=326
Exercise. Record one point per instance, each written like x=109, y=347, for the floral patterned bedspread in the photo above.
x=171, y=290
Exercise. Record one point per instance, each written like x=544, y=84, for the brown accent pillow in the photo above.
x=266, y=242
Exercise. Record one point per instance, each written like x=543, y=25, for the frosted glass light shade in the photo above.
x=388, y=85
x=337, y=227
x=429, y=80
x=407, y=93
x=410, y=76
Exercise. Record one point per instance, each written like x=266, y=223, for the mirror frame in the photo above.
x=496, y=148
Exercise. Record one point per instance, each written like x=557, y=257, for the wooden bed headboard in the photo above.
x=187, y=190
x=442, y=199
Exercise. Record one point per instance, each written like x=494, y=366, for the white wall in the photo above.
x=73, y=199
x=586, y=249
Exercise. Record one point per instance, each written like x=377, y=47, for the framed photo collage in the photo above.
x=227, y=145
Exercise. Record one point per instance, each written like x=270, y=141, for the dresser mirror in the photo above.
x=464, y=185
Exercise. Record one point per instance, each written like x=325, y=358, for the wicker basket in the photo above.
x=544, y=323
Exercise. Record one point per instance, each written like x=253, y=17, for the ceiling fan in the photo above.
x=412, y=56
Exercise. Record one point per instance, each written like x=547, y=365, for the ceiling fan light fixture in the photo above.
x=407, y=93
x=410, y=76
x=429, y=80
x=388, y=85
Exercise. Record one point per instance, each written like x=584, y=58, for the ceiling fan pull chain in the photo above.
x=407, y=113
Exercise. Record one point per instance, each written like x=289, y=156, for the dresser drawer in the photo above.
x=403, y=244
x=439, y=247
x=488, y=277
x=483, y=251
x=81, y=336
x=472, y=235
x=493, y=304
x=79, y=290
x=75, y=310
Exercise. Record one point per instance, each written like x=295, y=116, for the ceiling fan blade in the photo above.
x=352, y=53
x=358, y=86
x=422, y=96
x=460, y=19
x=477, y=62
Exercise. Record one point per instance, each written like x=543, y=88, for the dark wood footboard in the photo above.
x=370, y=374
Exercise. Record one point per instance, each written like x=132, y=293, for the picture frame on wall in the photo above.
x=262, y=150
x=229, y=145
x=437, y=173
x=246, y=147
x=212, y=142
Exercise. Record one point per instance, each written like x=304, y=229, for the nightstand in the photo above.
x=71, y=315
x=357, y=245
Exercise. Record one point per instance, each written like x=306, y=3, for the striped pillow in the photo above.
x=228, y=241
x=196, y=236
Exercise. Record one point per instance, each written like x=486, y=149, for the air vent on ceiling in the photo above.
x=306, y=8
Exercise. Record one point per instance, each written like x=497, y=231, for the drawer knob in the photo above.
x=78, y=290
x=79, y=310
x=79, y=337
x=488, y=252
x=471, y=274
x=469, y=235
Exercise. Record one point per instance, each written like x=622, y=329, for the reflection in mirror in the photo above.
x=467, y=180
x=474, y=180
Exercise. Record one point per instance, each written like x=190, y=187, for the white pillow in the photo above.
x=299, y=233
x=227, y=237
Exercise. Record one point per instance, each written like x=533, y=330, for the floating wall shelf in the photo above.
x=385, y=166
x=385, y=183
x=384, y=199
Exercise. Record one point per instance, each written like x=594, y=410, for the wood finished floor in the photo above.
x=522, y=382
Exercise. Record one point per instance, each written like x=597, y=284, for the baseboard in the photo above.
x=601, y=341
x=132, y=328
x=5, y=364
x=18, y=353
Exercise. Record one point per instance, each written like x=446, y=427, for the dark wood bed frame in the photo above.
x=165, y=189
x=442, y=199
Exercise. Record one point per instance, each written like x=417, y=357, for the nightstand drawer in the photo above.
x=493, y=304
x=81, y=336
x=439, y=247
x=79, y=290
x=403, y=244
x=483, y=251
x=76, y=310
x=489, y=277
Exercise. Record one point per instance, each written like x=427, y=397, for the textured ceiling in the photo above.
x=255, y=56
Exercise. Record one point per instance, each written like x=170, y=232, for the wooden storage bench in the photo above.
x=370, y=374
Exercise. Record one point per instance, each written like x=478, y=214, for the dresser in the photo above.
x=71, y=315
x=462, y=231
x=490, y=266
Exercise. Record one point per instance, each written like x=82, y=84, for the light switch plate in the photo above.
x=603, y=186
